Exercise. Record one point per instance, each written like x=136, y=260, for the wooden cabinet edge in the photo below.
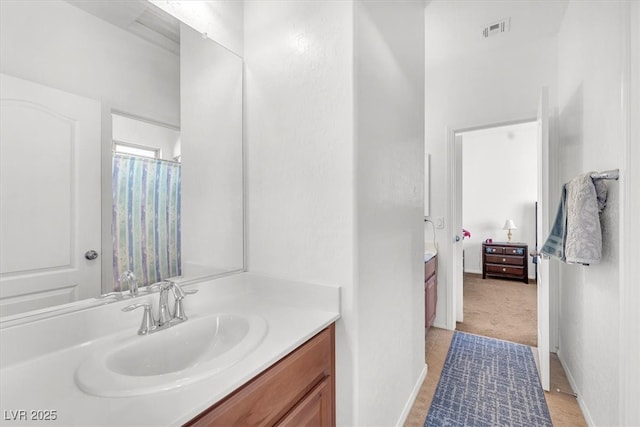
x=430, y=289
x=210, y=415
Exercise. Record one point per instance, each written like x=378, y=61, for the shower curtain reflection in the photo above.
x=146, y=218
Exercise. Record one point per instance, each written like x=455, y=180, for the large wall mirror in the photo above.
x=121, y=151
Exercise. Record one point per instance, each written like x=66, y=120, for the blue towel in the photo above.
x=554, y=246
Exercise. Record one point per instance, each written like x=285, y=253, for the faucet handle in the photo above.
x=162, y=285
x=178, y=293
x=134, y=306
x=148, y=322
x=178, y=309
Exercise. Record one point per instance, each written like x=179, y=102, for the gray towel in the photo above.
x=576, y=236
x=585, y=199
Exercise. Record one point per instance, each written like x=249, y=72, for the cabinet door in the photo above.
x=430, y=295
x=314, y=410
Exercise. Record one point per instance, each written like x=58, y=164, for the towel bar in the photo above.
x=612, y=174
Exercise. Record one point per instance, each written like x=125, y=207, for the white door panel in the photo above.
x=50, y=196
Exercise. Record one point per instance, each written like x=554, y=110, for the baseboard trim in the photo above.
x=412, y=397
x=574, y=387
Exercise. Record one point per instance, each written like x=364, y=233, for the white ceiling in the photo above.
x=454, y=27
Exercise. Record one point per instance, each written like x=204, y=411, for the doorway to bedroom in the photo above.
x=499, y=193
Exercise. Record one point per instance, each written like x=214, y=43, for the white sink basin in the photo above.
x=171, y=358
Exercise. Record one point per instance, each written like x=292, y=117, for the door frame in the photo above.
x=454, y=188
x=453, y=174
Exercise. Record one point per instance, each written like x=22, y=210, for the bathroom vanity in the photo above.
x=298, y=390
x=85, y=368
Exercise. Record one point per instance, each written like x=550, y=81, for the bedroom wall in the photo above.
x=499, y=181
x=591, y=66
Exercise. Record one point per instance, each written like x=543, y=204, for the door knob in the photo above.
x=91, y=255
x=457, y=238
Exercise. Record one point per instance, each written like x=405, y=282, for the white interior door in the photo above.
x=543, y=231
x=458, y=278
x=49, y=196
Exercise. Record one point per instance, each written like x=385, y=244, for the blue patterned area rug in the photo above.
x=488, y=382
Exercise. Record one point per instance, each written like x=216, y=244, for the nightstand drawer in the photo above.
x=514, y=251
x=505, y=259
x=505, y=269
x=494, y=250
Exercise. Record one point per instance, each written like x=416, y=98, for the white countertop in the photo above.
x=39, y=359
x=430, y=251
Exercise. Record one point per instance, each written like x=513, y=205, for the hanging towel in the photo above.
x=576, y=236
x=585, y=200
x=554, y=246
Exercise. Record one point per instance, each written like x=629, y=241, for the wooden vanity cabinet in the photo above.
x=299, y=390
x=430, y=291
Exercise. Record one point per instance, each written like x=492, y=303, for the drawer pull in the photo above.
x=504, y=269
x=504, y=260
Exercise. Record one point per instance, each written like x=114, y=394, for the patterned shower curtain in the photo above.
x=146, y=218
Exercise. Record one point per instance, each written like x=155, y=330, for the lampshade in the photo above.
x=509, y=225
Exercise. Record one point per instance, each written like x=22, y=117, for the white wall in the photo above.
x=389, y=105
x=499, y=168
x=71, y=50
x=221, y=20
x=143, y=133
x=300, y=156
x=504, y=86
x=335, y=180
x=212, y=177
x=591, y=66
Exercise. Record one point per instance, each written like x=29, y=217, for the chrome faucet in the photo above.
x=164, y=315
x=132, y=282
x=166, y=318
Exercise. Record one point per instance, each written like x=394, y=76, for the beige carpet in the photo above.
x=503, y=309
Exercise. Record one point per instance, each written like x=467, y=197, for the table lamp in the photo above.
x=509, y=225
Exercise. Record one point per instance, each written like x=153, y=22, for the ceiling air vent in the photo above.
x=495, y=28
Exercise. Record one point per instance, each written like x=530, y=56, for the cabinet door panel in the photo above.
x=314, y=410
x=430, y=268
x=430, y=310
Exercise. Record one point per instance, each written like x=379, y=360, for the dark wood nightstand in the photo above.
x=506, y=260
